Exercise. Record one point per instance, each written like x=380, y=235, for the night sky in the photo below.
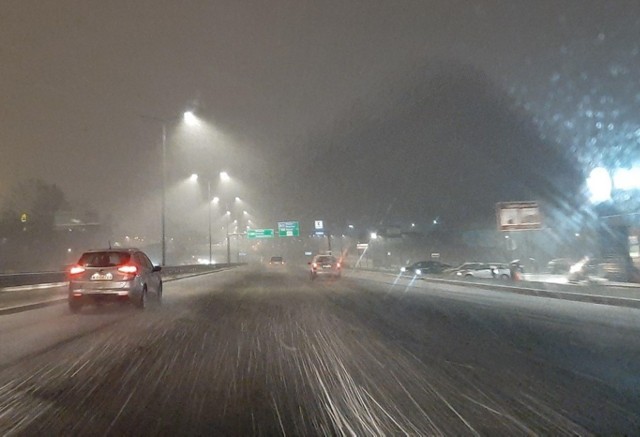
x=294, y=94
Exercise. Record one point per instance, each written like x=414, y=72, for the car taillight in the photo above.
x=75, y=270
x=338, y=265
x=128, y=269
x=315, y=265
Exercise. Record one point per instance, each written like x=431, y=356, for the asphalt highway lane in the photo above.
x=269, y=352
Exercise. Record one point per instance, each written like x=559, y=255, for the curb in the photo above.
x=629, y=302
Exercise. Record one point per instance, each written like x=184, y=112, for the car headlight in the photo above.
x=403, y=269
x=458, y=273
x=418, y=272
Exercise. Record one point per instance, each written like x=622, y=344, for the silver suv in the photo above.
x=325, y=265
x=125, y=275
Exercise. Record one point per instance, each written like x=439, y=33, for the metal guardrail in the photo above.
x=195, y=268
x=16, y=279
x=614, y=294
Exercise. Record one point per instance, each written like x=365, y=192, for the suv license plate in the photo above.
x=100, y=277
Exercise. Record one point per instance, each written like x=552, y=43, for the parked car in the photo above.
x=609, y=268
x=125, y=275
x=465, y=266
x=325, y=265
x=559, y=266
x=424, y=267
x=484, y=271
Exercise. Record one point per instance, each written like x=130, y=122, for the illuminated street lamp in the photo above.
x=189, y=119
x=243, y=214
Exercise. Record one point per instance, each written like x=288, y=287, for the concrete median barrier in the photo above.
x=606, y=293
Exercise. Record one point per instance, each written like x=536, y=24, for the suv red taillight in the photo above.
x=128, y=269
x=76, y=270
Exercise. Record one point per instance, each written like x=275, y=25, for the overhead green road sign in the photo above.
x=259, y=233
x=288, y=229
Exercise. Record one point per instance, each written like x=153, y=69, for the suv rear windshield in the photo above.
x=326, y=259
x=276, y=259
x=104, y=259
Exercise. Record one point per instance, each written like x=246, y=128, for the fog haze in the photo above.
x=277, y=85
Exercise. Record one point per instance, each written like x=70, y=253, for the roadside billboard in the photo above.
x=518, y=216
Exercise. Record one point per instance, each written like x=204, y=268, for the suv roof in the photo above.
x=114, y=249
x=325, y=256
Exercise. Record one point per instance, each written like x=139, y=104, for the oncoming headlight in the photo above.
x=403, y=269
x=418, y=272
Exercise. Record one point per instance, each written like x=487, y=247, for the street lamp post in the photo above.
x=236, y=233
x=164, y=193
x=227, y=213
x=224, y=177
x=238, y=242
x=209, y=201
x=189, y=118
x=228, y=237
